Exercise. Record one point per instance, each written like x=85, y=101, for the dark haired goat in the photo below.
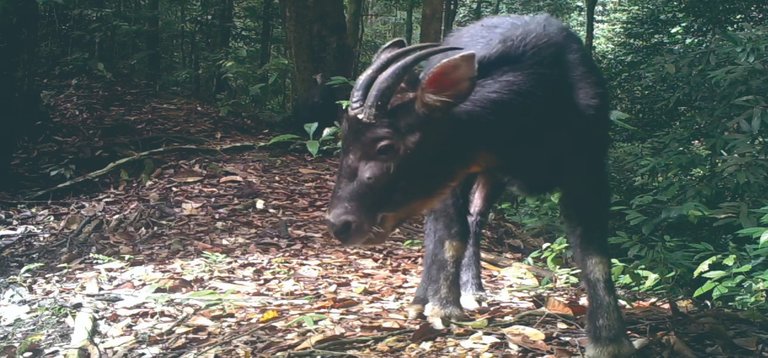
x=507, y=100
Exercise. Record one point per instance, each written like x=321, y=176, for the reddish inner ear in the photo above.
x=444, y=78
x=449, y=83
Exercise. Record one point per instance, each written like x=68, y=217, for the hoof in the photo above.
x=415, y=311
x=473, y=300
x=621, y=349
x=441, y=317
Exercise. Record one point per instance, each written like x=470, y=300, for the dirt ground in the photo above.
x=215, y=246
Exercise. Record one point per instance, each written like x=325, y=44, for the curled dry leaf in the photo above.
x=556, y=305
x=530, y=332
x=231, y=179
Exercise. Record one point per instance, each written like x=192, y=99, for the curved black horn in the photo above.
x=387, y=55
x=385, y=86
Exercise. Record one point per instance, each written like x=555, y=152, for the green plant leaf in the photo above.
x=705, y=288
x=313, y=147
x=714, y=274
x=283, y=138
x=310, y=128
x=704, y=266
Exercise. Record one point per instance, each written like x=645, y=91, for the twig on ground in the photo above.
x=140, y=156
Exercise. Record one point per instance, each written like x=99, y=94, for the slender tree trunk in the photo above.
x=477, y=12
x=497, y=7
x=355, y=29
x=194, y=53
x=226, y=12
x=265, y=49
x=449, y=15
x=19, y=98
x=590, y=31
x=153, y=42
x=317, y=34
x=431, y=21
x=265, y=38
x=409, y=20
x=224, y=24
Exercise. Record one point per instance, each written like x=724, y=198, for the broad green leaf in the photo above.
x=313, y=147
x=310, y=128
x=714, y=274
x=283, y=138
x=704, y=266
x=705, y=288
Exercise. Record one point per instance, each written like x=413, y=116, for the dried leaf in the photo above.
x=556, y=305
x=231, y=179
x=531, y=333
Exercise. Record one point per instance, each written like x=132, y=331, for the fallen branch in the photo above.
x=140, y=156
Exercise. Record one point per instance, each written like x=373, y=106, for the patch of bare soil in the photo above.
x=225, y=254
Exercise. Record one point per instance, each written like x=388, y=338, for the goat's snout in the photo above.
x=343, y=226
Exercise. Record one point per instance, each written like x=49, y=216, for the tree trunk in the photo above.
x=265, y=40
x=497, y=7
x=477, y=12
x=225, y=10
x=449, y=15
x=590, y=33
x=317, y=35
x=224, y=23
x=409, y=20
x=19, y=98
x=153, y=42
x=431, y=21
x=355, y=29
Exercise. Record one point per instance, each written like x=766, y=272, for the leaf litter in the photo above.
x=228, y=256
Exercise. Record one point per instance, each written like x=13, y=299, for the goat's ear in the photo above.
x=447, y=84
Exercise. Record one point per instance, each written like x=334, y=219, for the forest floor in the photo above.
x=195, y=252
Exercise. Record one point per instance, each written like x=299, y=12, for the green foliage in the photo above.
x=689, y=161
x=555, y=255
x=693, y=162
x=328, y=139
x=308, y=320
x=538, y=215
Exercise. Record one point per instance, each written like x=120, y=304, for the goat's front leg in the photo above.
x=584, y=207
x=446, y=234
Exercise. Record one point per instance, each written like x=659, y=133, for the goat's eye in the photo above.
x=386, y=149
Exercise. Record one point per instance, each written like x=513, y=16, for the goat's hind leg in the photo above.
x=584, y=207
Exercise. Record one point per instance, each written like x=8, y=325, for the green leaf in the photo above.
x=328, y=132
x=705, y=288
x=718, y=291
x=752, y=231
x=730, y=260
x=310, y=128
x=618, y=117
x=308, y=320
x=313, y=147
x=284, y=138
x=704, y=266
x=744, y=268
x=714, y=274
